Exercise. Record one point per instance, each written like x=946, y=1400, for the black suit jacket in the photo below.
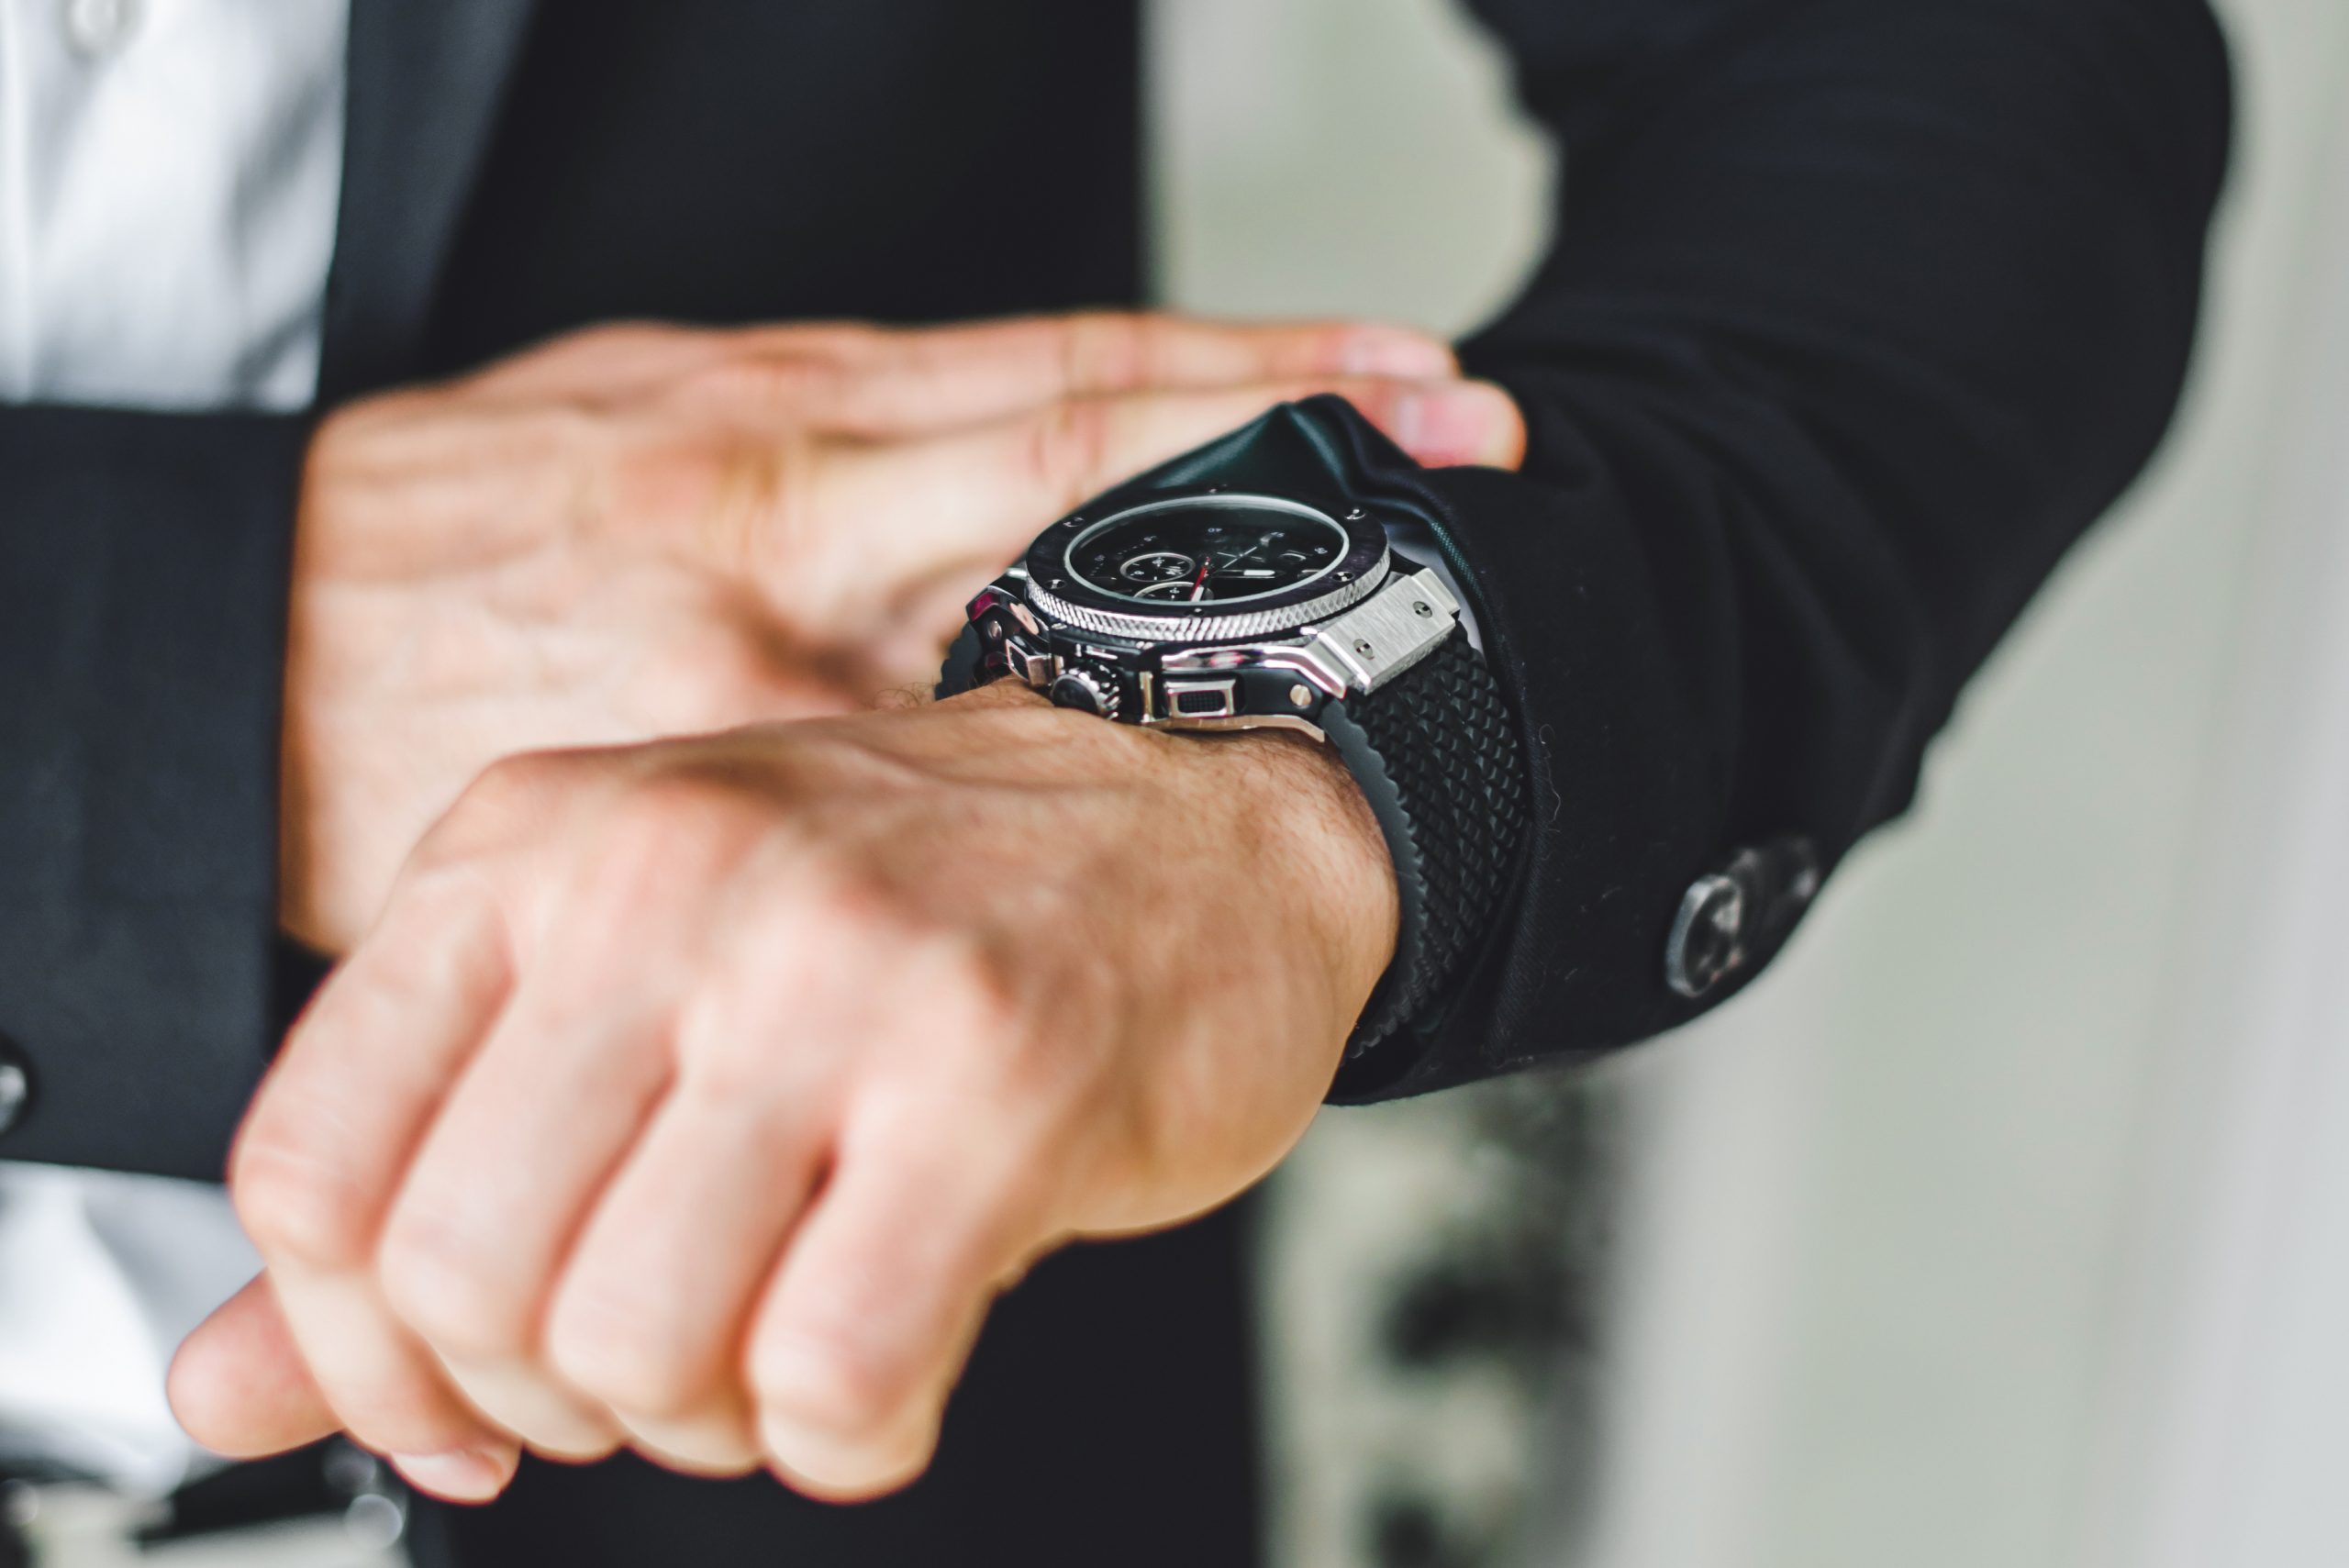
x=1859, y=312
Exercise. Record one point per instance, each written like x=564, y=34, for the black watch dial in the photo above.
x=1207, y=550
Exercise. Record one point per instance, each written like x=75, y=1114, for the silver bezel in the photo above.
x=1359, y=651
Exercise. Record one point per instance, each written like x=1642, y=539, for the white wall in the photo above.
x=1921, y=1355
x=2224, y=1421
x=1339, y=157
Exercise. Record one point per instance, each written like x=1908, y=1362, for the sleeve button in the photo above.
x=1740, y=915
x=1708, y=941
x=16, y=1085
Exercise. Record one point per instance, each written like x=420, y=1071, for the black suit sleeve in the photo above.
x=144, y=564
x=1858, y=314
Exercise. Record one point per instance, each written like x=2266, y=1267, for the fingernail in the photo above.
x=1443, y=426
x=1394, y=352
x=466, y=1475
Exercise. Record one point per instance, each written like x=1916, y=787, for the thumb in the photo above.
x=240, y=1387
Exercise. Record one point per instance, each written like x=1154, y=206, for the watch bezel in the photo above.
x=1055, y=588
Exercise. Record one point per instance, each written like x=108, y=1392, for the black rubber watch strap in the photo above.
x=959, y=674
x=1436, y=754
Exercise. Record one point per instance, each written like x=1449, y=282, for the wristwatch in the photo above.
x=1254, y=584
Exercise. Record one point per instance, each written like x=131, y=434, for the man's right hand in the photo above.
x=640, y=531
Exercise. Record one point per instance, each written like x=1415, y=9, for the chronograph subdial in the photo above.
x=1156, y=566
x=1213, y=557
x=1207, y=550
x=1181, y=592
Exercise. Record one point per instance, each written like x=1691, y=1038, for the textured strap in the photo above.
x=959, y=674
x=1437, y=755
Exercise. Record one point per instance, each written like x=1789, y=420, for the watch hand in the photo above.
x=1234, y=560
x=1199, y=584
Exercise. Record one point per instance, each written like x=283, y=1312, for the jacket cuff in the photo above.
x=144, y=561
x=1641, y=904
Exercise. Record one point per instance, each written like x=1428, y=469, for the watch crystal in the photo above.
x=1207, y=550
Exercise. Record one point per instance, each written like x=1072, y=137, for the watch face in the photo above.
x=1205, y=563
x=1207, y=550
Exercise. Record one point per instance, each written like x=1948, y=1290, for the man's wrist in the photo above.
x=1324, y=855
x=1299, y=821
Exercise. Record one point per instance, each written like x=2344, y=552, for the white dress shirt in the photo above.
x=169, y=176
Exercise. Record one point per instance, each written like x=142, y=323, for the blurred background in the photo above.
x=1997, y=1225
x=2001, y=1223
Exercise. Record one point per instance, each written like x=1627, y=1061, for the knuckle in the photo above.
x=964, y=1030
x=1110, y=351
x=450, y=907
x=1045, y=1091
x=976, y=995
x=769, y=383
x=732, y=1064
x=547, y=368
x=972, y=988
x=295, y=1202
x=507, y=802
x=782, y=485
x=739, y=494
x=442, y=1283
x=847, y=344
x=717, y=675
x=1376, y=401
x=865, y=911
x=864, y=933
x=828, y=1381
x=680, y=485
x=1069, y=448
x=538, y=439
x=682, y=808
x=843, y=912
x=620, y=1351
x=667, y=834
x=514, y=788
x=614, y=337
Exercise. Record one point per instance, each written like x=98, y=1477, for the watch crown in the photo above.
x=1088, y=688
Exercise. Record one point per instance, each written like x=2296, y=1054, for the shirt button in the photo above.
x=16, y=1084
x=98, y=27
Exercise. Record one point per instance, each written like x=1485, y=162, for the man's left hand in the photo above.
x=701, y=1096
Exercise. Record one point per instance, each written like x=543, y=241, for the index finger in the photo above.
x=939, y=378
x=975, y=497
x=332, y=1128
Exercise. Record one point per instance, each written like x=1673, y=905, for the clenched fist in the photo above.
x=701, y=1096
